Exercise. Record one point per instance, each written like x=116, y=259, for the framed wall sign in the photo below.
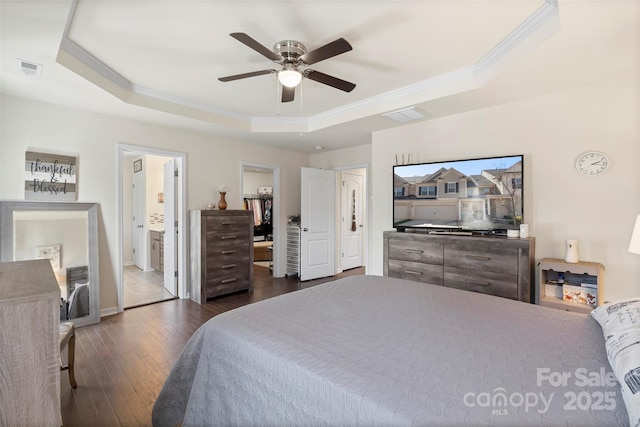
x=137, y=165
x=50, y=177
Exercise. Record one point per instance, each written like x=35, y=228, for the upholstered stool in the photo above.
x=68, y=339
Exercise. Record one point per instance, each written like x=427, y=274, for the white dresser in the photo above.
x=29, y=349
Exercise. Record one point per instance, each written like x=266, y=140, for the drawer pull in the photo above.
x=225, y=281
x=418, y=251
x=415, y=273
x=229, y=266
x=484, y=258
x=227, y=223
x=229, y=237
x=228, y=252
x=475, y=282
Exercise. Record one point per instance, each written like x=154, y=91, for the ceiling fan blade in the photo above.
x=253, y=44
x=329, y=50
x=330, y=80
x=288, y=93
x=245, y=75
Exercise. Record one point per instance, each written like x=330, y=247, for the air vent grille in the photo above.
x=30, y=69
x=406, y=115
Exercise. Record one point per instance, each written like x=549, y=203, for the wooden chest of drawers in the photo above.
x=491, y=265
x=221, y=252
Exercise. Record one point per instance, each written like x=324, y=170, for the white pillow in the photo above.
x=620, y=323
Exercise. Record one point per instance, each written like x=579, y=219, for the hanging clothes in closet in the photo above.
x=262, y=210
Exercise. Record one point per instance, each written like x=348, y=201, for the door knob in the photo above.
x=305, y=229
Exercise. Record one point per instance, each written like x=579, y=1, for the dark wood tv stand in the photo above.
x=494, y=265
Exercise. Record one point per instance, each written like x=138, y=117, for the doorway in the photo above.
x=151, y=230
x=260, y=185
x=317, y=223
x=353, y=218
x=334, y=221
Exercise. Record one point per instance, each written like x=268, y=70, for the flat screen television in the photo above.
x=473, y=195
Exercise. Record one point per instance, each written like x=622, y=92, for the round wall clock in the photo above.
x=592, y=163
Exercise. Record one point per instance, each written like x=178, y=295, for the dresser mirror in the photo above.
x=67, y=235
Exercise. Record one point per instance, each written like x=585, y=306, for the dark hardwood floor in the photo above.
x=122, y=362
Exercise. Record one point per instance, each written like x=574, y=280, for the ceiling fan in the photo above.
x=293, y=57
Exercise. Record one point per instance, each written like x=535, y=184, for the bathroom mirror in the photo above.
x=67, y=235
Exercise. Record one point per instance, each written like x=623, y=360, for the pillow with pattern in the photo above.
x=620, y=322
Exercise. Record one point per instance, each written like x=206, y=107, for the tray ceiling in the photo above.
x=160, y=61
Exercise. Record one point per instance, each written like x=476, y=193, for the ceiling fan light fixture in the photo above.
x=290, y=77
x=290, y=55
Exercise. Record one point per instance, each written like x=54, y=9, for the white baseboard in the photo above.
x=127, y=263
x=108, y=311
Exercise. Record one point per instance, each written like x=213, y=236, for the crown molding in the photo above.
x=520, y=41
x=80, y=61
x=528, y=35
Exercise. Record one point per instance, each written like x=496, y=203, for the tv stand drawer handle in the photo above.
x=484, y=258
x=418, y=251
x=225, y=281
x=228, y=252
x=415, y=273
x=229, y=237
x=229, y=266
x=475, y=282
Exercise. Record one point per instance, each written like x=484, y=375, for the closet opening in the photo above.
x=258, y=194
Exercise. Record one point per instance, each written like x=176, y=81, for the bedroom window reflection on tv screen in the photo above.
x=473, y=194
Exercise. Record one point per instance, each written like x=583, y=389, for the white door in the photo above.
x=351, y=231
x=317, y=220
x=170, y=228
x=139, y=230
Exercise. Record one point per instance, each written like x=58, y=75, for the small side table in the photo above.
x=556, y=273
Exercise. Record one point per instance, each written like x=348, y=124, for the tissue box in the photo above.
x=579, y=295
x=553, y=290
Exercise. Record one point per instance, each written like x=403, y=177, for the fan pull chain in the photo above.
x=277, y=93
x=300, y=110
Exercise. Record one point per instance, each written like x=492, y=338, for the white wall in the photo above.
x=252, y=180
x=354, y=156
x=93, y=138
x=551, y=131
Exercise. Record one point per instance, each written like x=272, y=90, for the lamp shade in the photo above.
x=634, y=245
x=290, y=78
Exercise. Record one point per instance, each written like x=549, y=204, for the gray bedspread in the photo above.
x=368, y=350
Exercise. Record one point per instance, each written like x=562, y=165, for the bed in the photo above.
x=369, y=350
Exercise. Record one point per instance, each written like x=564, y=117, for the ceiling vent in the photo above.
x=30, y=69
x=406, y=115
